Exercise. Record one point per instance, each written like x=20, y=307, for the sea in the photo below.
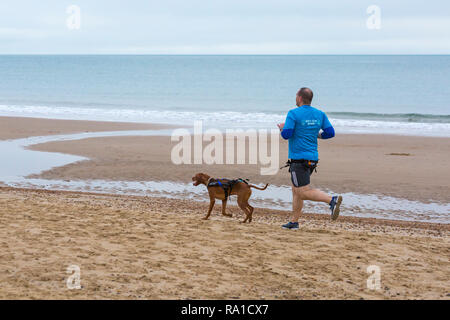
x=381, y=94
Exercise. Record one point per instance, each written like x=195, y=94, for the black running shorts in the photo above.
x=300, y=173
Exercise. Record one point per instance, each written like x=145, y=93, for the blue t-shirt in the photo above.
x=306, y=122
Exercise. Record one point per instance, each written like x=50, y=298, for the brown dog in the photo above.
x=240, y=188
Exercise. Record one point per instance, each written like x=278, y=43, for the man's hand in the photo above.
x=280, y=126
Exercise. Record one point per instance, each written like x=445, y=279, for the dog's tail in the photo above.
x=252, y=186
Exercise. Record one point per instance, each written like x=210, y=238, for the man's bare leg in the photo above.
x=306, y=193
x=297, y=205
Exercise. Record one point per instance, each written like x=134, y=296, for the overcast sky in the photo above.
x=225, y=27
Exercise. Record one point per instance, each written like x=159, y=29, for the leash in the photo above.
x=288, y=164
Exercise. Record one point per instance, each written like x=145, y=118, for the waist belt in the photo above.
x=308, y=163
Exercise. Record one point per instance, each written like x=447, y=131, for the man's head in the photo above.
x=304, y=97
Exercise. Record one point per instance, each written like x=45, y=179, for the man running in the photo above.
x=302, y=128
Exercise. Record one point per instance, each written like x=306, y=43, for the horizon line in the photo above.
x=224, y=54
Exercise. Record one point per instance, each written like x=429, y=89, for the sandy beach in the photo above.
x=130, y=247
x=152, y=248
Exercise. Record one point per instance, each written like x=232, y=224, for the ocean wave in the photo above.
x=395, y=117
x=344, y=122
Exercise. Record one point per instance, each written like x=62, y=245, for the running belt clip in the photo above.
x=288, y=163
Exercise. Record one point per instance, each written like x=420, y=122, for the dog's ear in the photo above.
x=205, y=177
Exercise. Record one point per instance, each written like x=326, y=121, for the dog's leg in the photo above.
x=250, y=208
x=224, y=206
x=212, y=201
x=243, y=205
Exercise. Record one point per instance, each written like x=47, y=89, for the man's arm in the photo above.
x=328, y=130
x=327, y=133
x=287, y=133
x=287, y=129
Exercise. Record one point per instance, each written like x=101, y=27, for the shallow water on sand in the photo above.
x=275, y=197
x=18, y=162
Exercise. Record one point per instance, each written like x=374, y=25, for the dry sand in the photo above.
x=415, y=168
x=151, y=248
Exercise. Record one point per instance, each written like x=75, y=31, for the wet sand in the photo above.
x=22, y=127
x=414, y=168
x=152, y=248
